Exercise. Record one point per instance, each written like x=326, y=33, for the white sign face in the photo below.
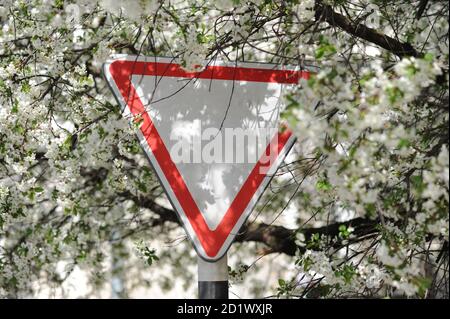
x=211, y=136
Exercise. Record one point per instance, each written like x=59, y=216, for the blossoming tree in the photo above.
x=360, y=209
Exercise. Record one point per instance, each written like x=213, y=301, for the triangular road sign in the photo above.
x=209, y=136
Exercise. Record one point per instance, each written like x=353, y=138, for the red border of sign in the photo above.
x=211, y=240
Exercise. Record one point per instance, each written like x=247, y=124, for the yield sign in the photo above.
x=209, y=136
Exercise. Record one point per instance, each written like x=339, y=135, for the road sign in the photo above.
x=212, y=137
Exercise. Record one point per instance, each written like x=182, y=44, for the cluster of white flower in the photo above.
x=193, y=52
x=320, y=267
x=305, y=10
x=372, y=275
x=132, y=9
x=436, y=191
x=389, y=257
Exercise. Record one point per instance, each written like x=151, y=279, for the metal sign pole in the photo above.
x=213, y=279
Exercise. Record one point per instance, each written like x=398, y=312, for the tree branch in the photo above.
x=277, y=238
x=401, y=49
x=282, y=240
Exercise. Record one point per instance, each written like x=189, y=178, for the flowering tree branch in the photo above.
x=278, y=239
x=326, y=13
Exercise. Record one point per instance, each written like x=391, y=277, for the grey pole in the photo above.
x=213, y=279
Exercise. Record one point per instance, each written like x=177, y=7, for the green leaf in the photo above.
x=320, y=52
x=422, y=284
x=142, y=187
x=429, y=57
x=347, y=272
x=394, y=94
x=343, y=232
x=38, y=189
x=324, y=185
x=15, y=107
x=26, y=87
x=59, y=4
x=370, y=209
x=403, y=143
